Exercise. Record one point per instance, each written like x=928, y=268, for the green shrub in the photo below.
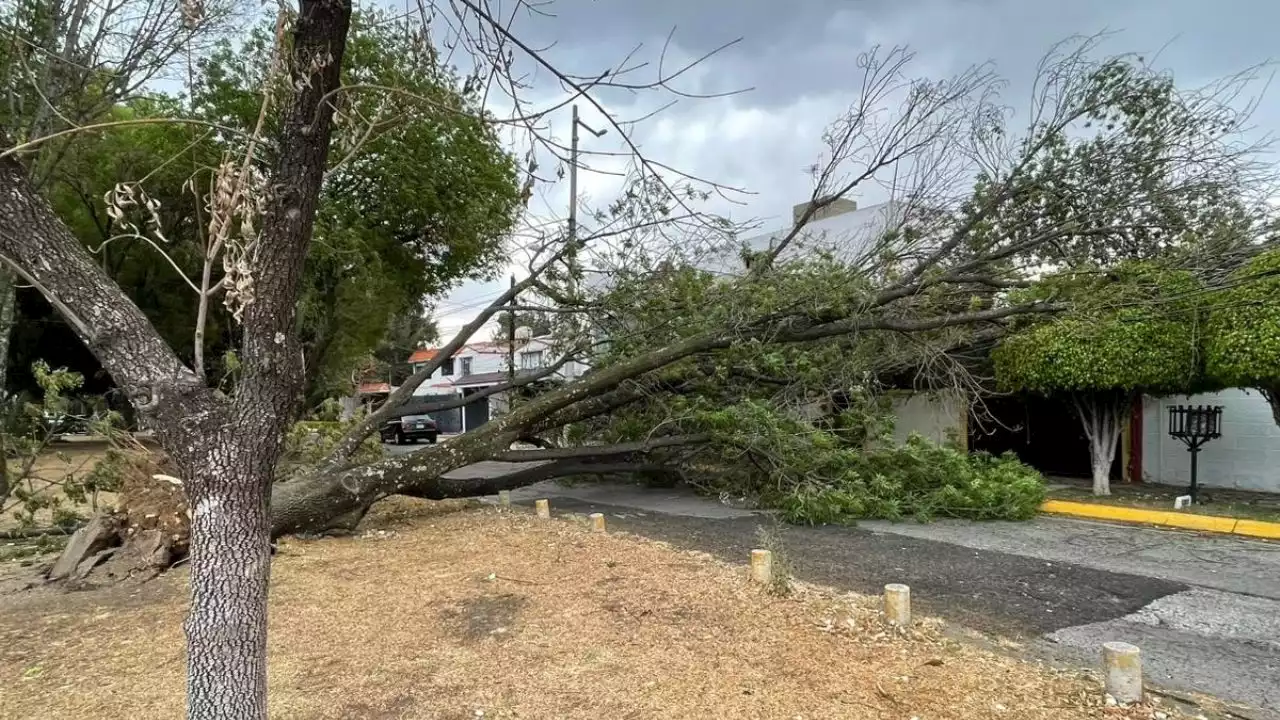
x=816, y=475
x=310, y=441
x=917, y=479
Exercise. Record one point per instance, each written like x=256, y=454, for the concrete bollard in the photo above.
x=544, y=509
x=762, y=566
x=1122, y=666
x=597, y=521
x=504, y=498
x=897, y=604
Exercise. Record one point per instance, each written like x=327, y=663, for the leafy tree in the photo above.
x=944, y=266
x=1130, y=330
x=1135, y=148
x=64, y=66
x=422, y=204
x=141, y=248
x=419, y=196
x=407, y=332
x=1242, y=335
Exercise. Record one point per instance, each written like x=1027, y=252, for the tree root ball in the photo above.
x=149, y=530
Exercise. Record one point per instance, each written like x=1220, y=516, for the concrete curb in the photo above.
x=1185, y=521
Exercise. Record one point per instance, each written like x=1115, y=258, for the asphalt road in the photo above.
x=1204, y=609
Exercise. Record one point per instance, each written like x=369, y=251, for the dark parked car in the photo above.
x=410, y=428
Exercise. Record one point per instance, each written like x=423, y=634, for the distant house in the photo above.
x=472, y=368
x=467, y=368
x=535, y=353
x=369, y=397
x=480, y=365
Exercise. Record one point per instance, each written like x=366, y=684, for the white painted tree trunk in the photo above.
x=1102, y=415
x=1102, y=459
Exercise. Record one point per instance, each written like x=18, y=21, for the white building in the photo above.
x=840, y=229
x=472, y=362
x=480, y=365
x=1246, y=457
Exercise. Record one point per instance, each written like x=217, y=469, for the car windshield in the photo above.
x=415, y=418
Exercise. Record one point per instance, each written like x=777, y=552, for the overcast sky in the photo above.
x=800, y=58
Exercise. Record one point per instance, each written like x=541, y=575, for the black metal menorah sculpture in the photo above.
x=1195, y=425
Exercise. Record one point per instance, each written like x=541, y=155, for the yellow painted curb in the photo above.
x=1208, y=523
x=1105, y=512
x=1259, y=529
x=1186, y=521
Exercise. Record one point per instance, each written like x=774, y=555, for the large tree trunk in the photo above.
x=311, y=504
x=1103, y=415
x=230, y=482
x=226, y=626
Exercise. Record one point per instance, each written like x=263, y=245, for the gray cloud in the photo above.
x=801, y=56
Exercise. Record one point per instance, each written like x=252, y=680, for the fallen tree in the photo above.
x=936, y=266
x=933, y=275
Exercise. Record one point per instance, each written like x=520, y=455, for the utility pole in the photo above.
x=511, y=344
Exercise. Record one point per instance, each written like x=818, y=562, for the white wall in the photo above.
x=569, y=371
x=481, y=362
x=485, y=360
x=1246, y=457
x=936, y=415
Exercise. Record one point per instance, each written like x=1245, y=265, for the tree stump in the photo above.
x=101, y=532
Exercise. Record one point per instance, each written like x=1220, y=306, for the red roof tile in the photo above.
x=422, y=355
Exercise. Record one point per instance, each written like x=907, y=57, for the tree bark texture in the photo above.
x=226, y=451
x=1103, y=416
x=8, y=304
x=229, y=485
x=1271, y=393
x=226, y=626
x=311, y=503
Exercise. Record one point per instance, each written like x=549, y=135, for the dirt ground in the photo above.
x=481, y=614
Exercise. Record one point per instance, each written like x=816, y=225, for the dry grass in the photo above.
x=481, y=614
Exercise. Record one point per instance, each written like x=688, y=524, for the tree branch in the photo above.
x=587, y=451
x=36, y=242
x=272, y=381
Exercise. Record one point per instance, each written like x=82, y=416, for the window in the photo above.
x=531, y=360
x=466, y=367
x=446, y=367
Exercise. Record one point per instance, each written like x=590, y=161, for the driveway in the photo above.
x=1205, y=609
